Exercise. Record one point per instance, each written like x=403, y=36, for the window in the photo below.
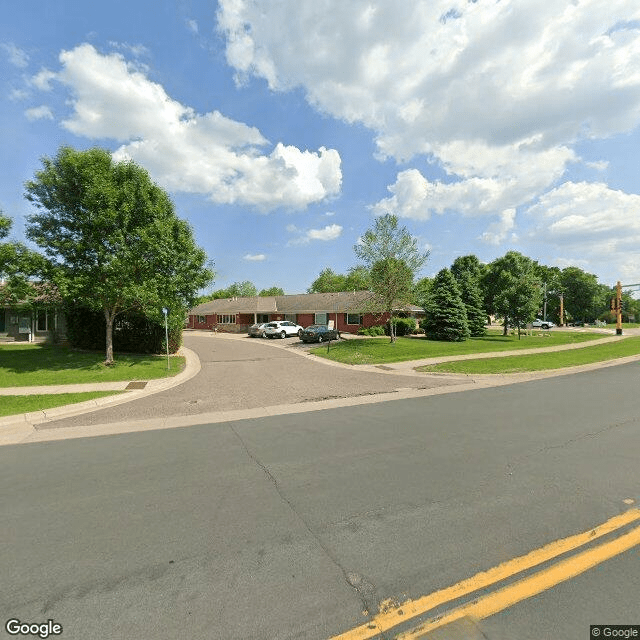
x=321, y=318
x=227, y=318
x=262, y=317
x=202, y=319
x=353, y=318
x=291, y=317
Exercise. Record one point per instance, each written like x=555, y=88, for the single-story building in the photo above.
x=349, y=311
x=35, y=321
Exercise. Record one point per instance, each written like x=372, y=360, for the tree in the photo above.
x=245, y=289
x=113, y=238
x=18, y=266
x=446, y=314
x=467, y=271
x=421, y=292
x=582, y=294
x=514, y=290
x=273, y=291
x=328, y=282
x=387, y=245
x=357, y=279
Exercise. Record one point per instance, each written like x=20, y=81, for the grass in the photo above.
x=540, y=361
x=11, y=405
x=380, y=350
x=23, y=365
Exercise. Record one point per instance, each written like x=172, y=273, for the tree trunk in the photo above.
x=392, y=329
x=109, y=317
x=506, y=324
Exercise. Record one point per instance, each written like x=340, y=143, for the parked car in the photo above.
x=257, y=330
x=542, y=324
x=282, y=329
x=319, y=333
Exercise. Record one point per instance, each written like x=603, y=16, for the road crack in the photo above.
x=567, y=443
x=365, y=590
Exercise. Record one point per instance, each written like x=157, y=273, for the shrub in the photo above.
x=133, y=332
x=376, y=330
x=404, y=326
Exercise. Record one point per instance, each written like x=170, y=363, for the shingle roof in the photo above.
x=343, y=301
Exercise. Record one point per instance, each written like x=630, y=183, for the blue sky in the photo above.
x=281, y=129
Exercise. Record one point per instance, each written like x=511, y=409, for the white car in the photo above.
x=542, y=324
x=282, y=329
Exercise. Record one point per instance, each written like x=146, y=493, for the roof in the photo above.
x=343, y=301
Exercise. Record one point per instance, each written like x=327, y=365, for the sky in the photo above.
x=281, y=128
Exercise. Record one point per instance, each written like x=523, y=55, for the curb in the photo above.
x=28, y=420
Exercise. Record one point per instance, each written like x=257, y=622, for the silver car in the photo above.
x=257, y=330
x=282, y=329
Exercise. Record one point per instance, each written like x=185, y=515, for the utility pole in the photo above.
x=618, y=309
x=561, y=309
x=544, y=309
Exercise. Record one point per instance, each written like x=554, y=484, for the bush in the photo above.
x=376, y=330
x=404, y=326
x=133, y=332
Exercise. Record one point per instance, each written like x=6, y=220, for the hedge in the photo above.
x=133, y=332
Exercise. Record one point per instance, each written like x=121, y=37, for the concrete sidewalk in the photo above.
x=134, y=389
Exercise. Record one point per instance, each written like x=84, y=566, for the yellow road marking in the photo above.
x=388, y=619
x=508, y=596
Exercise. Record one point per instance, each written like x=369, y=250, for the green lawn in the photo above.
x=380, y=350
x=11, y=405
x=540, y=361
x=24, y=365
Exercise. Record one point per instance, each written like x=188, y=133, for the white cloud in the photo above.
x=590, y=222
x=39, y=113
x=500, y=72
x=495, y=93
x=17, y=57
x=497, y=232
x=186, y=151
x=258, y=257
x=330, y=232
x=42, y=80
x=193, y=26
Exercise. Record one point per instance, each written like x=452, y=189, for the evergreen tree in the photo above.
x=446, y=313
x=467, y=270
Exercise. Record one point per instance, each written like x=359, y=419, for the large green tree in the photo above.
x=467, y=271
x=386, y=245
x=272, y=291
x=19, y=265
x=113, y=238
x=358, y=278
x=513, y=289
x=328, y=282
x=446, y=314
x=583, y=296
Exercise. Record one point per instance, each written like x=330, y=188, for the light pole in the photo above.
x=166, y=333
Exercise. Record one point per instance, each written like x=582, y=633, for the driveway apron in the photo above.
x=249, y=373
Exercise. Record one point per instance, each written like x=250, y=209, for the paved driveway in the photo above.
x=246, y=373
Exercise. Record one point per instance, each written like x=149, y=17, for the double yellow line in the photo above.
x=509, y=595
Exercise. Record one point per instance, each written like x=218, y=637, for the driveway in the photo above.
x=239, y=372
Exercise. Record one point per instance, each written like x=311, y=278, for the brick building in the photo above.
x=349, y=311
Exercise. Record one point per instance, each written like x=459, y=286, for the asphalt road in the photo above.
x=299, y=526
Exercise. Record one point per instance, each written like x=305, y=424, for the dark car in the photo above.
x=319, y=333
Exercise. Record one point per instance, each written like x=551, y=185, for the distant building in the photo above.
x=349, y=311
x=33, y=321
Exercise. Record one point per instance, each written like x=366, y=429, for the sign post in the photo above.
x=166, y=333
